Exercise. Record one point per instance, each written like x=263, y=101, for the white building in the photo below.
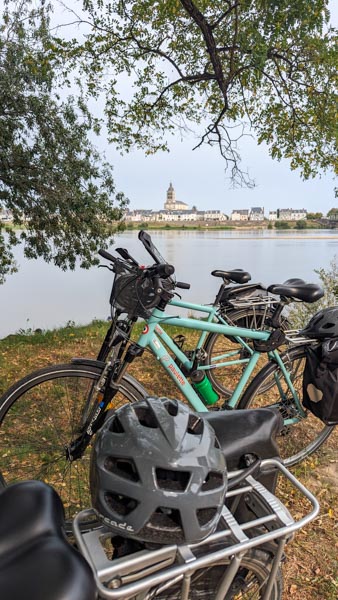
x=256, y=214
x=135, y=216
x=291, y=214
x=214, y=215
x=240, y=215
x=171, y=203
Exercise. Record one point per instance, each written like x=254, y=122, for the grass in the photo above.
x=311, y=571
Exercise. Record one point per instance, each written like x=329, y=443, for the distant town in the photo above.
x=176, y=211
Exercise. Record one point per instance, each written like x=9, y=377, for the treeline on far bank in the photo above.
x=303, y=224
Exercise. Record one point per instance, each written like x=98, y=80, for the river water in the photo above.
x=42, y=296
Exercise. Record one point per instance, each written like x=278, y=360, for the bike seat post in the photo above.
x=219, y=294
x=275, y=320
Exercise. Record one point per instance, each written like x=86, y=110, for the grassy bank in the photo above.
x=232, y=225
x=311, y=569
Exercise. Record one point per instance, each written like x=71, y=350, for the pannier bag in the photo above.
x=320, y=381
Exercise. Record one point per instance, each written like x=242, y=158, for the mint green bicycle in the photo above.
x=49, y=417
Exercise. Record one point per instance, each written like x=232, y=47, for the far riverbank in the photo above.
x=229, y=226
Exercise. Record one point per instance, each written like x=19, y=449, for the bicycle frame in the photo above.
x=158, y=341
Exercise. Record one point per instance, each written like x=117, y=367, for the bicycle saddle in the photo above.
x=251, y=431
x=297, y=288
x=36, y=561
x=236, y=275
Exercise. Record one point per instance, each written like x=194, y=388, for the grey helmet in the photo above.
x=157, y=473
x=324, y=324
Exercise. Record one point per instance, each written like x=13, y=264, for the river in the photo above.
x=42, y=296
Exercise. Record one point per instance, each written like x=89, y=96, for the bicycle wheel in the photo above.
x=224, y=378
x=39, y=416
x=248, y=584
x=298, y=440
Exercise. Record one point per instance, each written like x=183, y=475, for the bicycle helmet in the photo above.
x=324, y=324
x=157, y=473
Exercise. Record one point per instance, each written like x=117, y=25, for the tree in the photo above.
x=332, y=212
x=300, y=224
x=301, y=312
x=313, y=216
x=281, y=225
x=53, y=181
x=234, y=67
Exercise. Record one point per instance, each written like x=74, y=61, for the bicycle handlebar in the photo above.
x=160, y=270
x=106, y=255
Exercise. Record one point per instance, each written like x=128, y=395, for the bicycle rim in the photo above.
x=224, y=379
x=299, y=440
x=248, y=584
x=39, y=417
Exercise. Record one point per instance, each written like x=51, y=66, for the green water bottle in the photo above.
x=203, y=386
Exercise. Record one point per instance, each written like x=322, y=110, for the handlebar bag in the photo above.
x=320, y=381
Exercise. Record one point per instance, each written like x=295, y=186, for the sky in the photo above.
x=199, y=176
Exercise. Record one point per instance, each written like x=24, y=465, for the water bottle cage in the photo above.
x=276, y=339
x=179, y=340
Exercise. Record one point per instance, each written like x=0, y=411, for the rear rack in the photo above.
x=253, y=300
x=154, y=571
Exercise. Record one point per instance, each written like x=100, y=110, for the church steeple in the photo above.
x=171, y=198
x=171, y=203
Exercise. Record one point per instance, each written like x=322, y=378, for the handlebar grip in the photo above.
x=182, y=285
x=165, y=270
x=106, y=255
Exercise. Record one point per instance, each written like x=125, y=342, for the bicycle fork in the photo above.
x=106, y=389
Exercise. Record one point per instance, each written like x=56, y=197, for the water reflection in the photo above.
x=41, y=295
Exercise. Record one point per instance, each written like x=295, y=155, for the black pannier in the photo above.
x=320, y=381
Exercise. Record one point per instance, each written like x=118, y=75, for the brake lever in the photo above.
x=125, y=254
x=106, y=267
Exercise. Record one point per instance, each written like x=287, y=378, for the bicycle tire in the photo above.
x=297, y=441
x=248, y=583
x=223, y=379
x=39, y=416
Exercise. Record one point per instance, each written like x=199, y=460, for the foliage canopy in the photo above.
x=52, y=180
x=233, y=67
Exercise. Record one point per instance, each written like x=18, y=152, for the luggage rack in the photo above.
x=263, y=301
x=157, y=570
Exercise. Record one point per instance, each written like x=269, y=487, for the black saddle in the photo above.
x=36, y=561
x=242, y=432
x=236, y=275
x=297, y=288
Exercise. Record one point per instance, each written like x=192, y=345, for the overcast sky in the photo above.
x=199, y=178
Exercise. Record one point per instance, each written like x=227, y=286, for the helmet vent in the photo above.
x=166, y=518
x=213, y=481
x=122, y=467
x=146, y=417
x=328, y=325
x=116, y=426
x=119, y=504
x=205, y=515
x=195, y=425
x=172, y=480
x=171, y=407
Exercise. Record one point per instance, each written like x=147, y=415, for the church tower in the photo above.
x=171, y=203
x=171, y=198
